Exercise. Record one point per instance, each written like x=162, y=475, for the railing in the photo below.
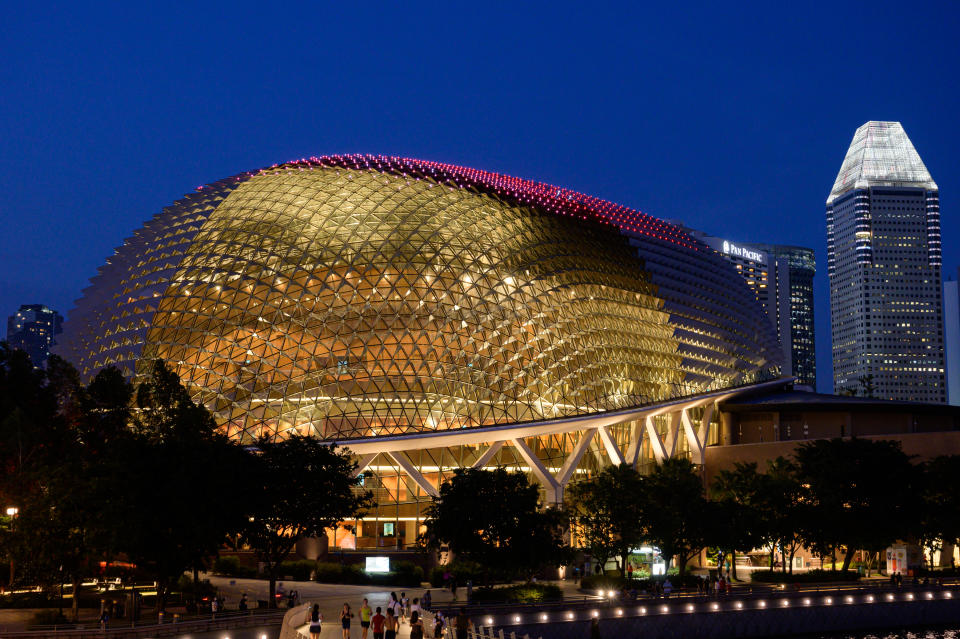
x=166, y=625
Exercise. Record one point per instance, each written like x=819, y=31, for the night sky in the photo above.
x=730, y=118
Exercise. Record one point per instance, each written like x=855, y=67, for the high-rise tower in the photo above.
x=883, y=245
x=34, y=329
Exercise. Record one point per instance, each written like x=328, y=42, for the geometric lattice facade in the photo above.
x=352, y=297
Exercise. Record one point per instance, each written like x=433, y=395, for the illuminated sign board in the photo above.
x=378, y=564
x=729, y=248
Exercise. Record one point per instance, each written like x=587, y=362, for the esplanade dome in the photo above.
x=359, y=296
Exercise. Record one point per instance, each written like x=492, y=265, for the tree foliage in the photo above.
x=606, y=513
x=493, y=517
x=301, y=487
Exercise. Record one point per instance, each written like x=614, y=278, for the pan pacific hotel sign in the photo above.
x=729, y=248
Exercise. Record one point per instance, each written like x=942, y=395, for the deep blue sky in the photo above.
x=733, y=118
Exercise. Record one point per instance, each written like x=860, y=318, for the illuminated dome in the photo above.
x=358, y=296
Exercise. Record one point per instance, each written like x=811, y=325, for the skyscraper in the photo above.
x=782, y=280
x=33, y=329
x=883, y=243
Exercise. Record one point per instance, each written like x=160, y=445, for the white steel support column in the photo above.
x=636, y=444
x=659, y=450
x=363, y=462
x=552, y=488
x=487, y=455
x=695, y=444
x=573, y=460
x=404, y=462
x=613, y=451
x=705, y=423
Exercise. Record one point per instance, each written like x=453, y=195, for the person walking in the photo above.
x=390, y=625
x=416, y=625
x=415, y=607
x=426, y=602
x=404, y=606
x=462, y=624
x=345, y=617
x=315, y=621
x=377, y=622
x=438, y=624
x=365, y=613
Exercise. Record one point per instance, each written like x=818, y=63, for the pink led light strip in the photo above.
x=544, y=196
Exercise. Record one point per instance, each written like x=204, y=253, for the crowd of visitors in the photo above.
x=418, y=613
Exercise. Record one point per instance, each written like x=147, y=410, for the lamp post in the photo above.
x=12, y=514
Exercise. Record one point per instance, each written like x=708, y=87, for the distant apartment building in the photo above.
x=782, y=279
x=884, y=264
x=33, y=329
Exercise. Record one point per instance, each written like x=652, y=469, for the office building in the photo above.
x=884, y=263
x=33, y=329
x=781, y=278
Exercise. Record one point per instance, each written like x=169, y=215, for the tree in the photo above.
x=606, y=510
x=303, y=487
x=742, y=522
x=675, y=511
x=493, y=517
x=783, y=501
x=861, y=493
x=165, y=489
x=940, y=505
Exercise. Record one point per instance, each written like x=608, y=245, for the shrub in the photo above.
x=603, y=582
x=462, y=571
x=48, y=618
x=811, y=576
x=523, y=593
x=185, y=586
x=300, y=570
x=331, y=573
x=231, y=567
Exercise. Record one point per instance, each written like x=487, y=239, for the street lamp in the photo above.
x=12, y=511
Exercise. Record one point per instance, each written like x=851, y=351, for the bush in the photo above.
x=185, y=587
x=524, y=593
x=462, y=572
x=407, y=573
x=603, y=582
x=616, y=582
x=811, y=576
x=300, y=570
x=231, y=567
x=48, y=618
x=332, y=573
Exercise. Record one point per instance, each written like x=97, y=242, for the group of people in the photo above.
x=386, y=624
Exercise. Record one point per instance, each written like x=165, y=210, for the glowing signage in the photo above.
x=729, y=248
x=378, y=564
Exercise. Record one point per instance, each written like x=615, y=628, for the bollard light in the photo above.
x=806, y=601
x=619, y=612
x=611, y=594
x=664, y=609
x=689, y=607
x=929, y=595
x=715, y=606
x=948, y=594
x=595, y=614
x=739, y=605
x=890, y=597
x=516, y=619
x=762, y=603
x=828, y=600
x=910, y=595
x=849, y=599
x=543, y=617
x=785, y=603
x=569, y=615
x=643, y=610
x=489, y=621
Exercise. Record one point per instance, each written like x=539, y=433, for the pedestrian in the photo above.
x=316, y=620
x=667, y=588
x=462, y=624
x=345, y=617
x=215, y=605
x=415, y=608
x=438, y=623
x=416, y=625
x=242, y=606
x=365, y=613
x=426, y=602
x=630, y=571
x=470, y=589
x=390, y=625
x=377, y=621
x=453, y=587
x=104, y=620
x=404, y=606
